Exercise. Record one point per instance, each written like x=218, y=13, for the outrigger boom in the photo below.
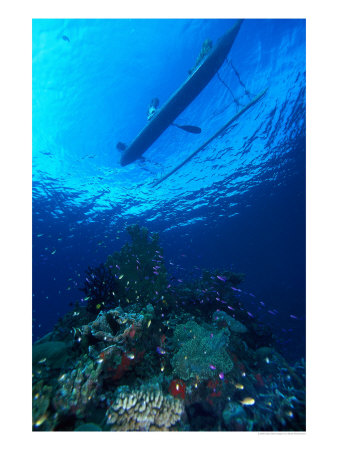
x=219, y=132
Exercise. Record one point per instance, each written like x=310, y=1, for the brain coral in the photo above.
x=200, y=349
x=143, y=409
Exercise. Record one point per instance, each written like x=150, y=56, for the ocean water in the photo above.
x=237, y=206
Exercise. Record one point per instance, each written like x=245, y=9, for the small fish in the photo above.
x=118, y=267
x=65, y=38
x=160, y=350
x=239, y=386
x=221, y=375
x=212, y=367
x=120, y=277
x=53, y=252
x=41, y=420
x=235, y=289
x=148, y=324
x=130, y=355
x=249, y=314
x=293, y=317
x=221, y=278
x=248, y=401
x=230, y=307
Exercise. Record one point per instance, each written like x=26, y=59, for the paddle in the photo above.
x=188, y=128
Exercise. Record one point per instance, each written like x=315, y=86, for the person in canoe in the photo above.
x=205, y=50
x=154, y=104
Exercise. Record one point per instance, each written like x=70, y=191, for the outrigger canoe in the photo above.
x=177, y=103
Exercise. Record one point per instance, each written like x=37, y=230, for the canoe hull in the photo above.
x=177, y=103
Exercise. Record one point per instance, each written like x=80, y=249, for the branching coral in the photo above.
x=140, y=269
x=144, y=409
x=101, y=288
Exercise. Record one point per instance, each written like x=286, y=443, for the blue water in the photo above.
x=238, y=205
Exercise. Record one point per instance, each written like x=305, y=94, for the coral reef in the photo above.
x=42, y=418
x=233, y=415
x=88, y=427
x=100, y=288
x=114, y=326
x=52, y=353
x=145, y=353
x=201, y=353
x=235, y=326
x=143, y=409
x=177, y=388
x=78, y=387
x=139, y=269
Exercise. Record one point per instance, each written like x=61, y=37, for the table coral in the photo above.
x=143, y=409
